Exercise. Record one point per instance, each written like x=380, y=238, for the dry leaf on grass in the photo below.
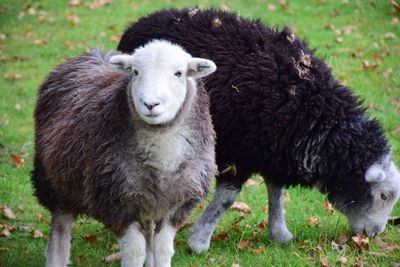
x=8, y=213
x=112, y=257
x=339, y=247
x=20, y=208
x=17, y=161
x=39, y=42
x=328, y=207
x=36, y=233
x=219, y=237
x=74, y=19
x=2, y=250
x=41, y=218
x=257, y=250
x=387, y=246
x=241, y=206
x=6, y=230
x=75, y=3
x=251, y=182
x=235, y=265
x=116, y=38
x=90, y=238
x=358, y=263
x=325, y=262
x=395, y=5
x=342, y=239
x=342, y=260
x=286, y=196
x=361, y=242
x=243, y=244
x=313, y=221
x=387, y=73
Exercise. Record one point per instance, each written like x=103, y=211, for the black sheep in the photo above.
x=278, y=111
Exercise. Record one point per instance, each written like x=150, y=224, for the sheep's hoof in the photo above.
x=198, y=245
x=281, y=236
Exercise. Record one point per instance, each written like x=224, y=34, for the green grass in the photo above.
x=367, y=41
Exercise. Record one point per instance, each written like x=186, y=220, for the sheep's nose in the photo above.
x=151, y=105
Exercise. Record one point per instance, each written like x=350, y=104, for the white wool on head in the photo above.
x=160, y=72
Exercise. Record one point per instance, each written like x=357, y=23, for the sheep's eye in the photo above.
x=384, y=196
x=135, y=72
x=178, y=74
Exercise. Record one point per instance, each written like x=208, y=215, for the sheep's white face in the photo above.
x=160, y=73
x=371, y=217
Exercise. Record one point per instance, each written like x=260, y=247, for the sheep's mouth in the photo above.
x=152, y=115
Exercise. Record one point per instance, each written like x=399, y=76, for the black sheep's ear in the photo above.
x=375, y=174
x=121, y=64
x=200, y=67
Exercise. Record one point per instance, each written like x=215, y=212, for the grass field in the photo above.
x=359, y=39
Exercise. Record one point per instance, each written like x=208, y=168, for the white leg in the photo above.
x=277, y=229
x=164, y=245
x=149, y=235
x=224, y=197
x=133, y=247
x=59, y=244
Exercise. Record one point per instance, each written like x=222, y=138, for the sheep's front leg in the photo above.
x=225, y=195
x=133, y=247
x=59, y=244
x=164, y=244
x=277, y=229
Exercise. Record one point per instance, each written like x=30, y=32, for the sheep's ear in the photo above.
x=121, y=64
x=200, y=67
x=375, y=174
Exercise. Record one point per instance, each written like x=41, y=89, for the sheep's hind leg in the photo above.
x=225, y=195
x=149, y=235
x=164, y=244
x=277, y=229
x=133, y=247
x=59, y=244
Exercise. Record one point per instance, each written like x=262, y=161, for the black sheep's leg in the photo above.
x=277, y=229
x=59, y=244
x=225, y=195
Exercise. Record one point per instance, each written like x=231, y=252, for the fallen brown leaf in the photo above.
x=258, y=250
x=328, y=207
x=342, y=239
x=116, y=38
x=75, y=3
x=6, y=230
x=271, y=7
x=36, y=233
x=74, y=19
x=395, y=264
x=241, y=206
x=243, y=243
x=340, y=247
x=192, y=265
x=394, y=21
x=361, y=242
x=325, y=262
x=112, y=257
x=284, y=4
x=262, y=225
x=17, y=161
x=98, y=3
x=358, y=263
x=387, y=246
x=235, y=265
x=90, y=238
x=8, y=213
x=389, y=35
x=342, y=260
x=2, y=250
x=286, y=196
x=313, y=221
x=251, y=182
x=219, y=237
x=395, y=5
x=367, y=66
x=20, y=208
x=387, y=73
x=339, y=40
x=41, y=218
x=266, y=208
x=39, y=42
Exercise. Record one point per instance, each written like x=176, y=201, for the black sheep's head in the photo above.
x=367, y=205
